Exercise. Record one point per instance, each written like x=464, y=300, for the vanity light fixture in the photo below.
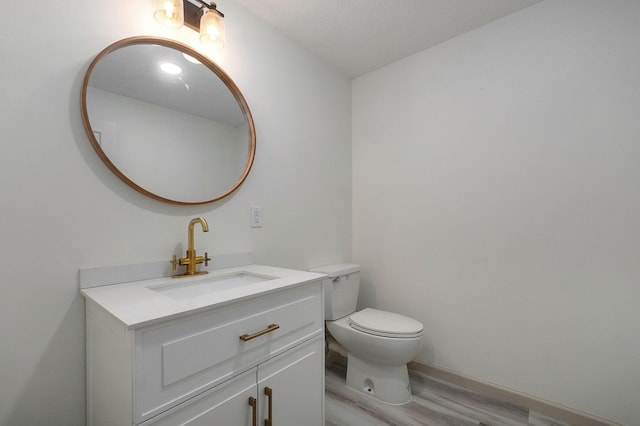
x=196, y=14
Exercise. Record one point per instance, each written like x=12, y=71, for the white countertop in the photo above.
x=136, y=305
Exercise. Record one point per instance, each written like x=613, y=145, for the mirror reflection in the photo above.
x=168, y=121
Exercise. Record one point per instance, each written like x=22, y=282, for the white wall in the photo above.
x=497, y=200
x=62, y=209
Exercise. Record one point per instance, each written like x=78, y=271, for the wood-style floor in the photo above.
x=434, y=403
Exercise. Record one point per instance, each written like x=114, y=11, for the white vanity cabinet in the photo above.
x=194, y=368
x=288, y=392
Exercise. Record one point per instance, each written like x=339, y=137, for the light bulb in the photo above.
x=169, y=12
x=212, y=29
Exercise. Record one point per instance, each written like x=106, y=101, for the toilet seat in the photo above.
x=385, y=324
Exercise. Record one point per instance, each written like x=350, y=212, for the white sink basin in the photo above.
x=181, y=289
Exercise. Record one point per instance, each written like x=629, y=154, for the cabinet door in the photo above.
x=226, y=405
x=295, y=382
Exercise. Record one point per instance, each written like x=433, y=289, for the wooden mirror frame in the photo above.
x=223, y=76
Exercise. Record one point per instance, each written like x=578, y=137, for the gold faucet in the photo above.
x=192, y=258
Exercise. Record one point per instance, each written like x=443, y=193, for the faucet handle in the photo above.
x=206, y=259
x=174, y=262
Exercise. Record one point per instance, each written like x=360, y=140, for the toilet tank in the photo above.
x=341, y=288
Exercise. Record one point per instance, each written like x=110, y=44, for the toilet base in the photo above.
x=387, y=383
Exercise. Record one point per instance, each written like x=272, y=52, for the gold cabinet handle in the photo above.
x=254, y=411
x=269, y=329
x=269, y=392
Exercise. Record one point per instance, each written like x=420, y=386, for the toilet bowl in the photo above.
x=379, y=344
x=376, y=363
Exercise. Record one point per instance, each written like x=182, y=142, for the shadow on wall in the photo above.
x=54, y=369
x=367, y=297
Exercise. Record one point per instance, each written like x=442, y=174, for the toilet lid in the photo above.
x=386, y=324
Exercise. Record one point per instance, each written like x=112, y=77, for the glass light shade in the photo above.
x=212, y=29
x=169, y=13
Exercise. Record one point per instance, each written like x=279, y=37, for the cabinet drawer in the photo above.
x=180, y=359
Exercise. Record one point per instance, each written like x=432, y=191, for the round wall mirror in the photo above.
x=168, y=121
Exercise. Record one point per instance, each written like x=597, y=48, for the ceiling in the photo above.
x=358, y=36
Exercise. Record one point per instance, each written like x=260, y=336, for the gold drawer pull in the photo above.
x=269, y=329
x=254, y=414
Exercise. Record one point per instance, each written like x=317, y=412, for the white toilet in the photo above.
x=378, y=344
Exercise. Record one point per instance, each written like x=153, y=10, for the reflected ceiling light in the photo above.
x=170, y=68
x=191, y=59
x=196, y=14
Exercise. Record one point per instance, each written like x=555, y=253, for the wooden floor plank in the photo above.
x=434, y=403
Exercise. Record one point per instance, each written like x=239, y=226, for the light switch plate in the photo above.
x=256, y=217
